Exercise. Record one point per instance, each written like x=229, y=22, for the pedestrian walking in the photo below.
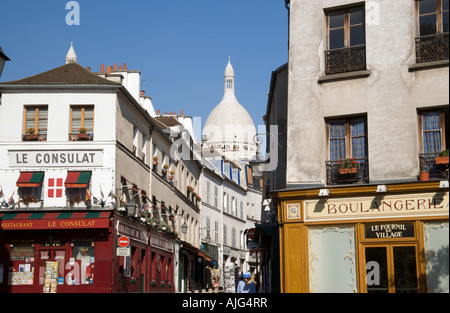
x=246, y=285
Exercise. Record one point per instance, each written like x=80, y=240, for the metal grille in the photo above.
x=345, y=60
x=432, y=48
x=335, y=177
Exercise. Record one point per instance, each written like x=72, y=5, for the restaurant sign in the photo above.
x=52, y=158
x=430, y=204
x=53, y=224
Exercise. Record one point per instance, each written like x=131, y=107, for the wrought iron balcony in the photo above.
x=345, y=60
x=432, y=48
x=359, y=175
x=428, y=164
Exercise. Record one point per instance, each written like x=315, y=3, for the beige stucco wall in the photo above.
x=389, y=97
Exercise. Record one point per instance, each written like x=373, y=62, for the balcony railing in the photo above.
x=345, y=60
x=432, y=48
x=360, y=174
x=428, y=164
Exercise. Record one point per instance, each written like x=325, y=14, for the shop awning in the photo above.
x=54, y=220
x=77, y=179
x=206, y=257
x=30, y=179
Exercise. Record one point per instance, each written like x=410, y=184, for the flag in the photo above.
x=101, y=192
x=11, y=199
x=88, y=195
x=1, y=193
x=112, y=195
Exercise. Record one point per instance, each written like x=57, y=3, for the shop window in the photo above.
x=81, y=123
x=35, y=123
x=346, y=40
x=436, y=256
x=84, y=254
x=332, y=248
x=22, y=264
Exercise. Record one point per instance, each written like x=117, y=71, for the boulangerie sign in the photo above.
x=430, y=204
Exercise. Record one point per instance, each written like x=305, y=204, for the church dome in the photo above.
x=229, y=127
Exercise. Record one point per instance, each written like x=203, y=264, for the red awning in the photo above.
x=77, y=179
x=30, y=179
x=203, y=255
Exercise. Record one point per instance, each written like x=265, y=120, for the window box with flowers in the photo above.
x=443, y=157
x=348, y=166
x=31, y=134
x=83, y=134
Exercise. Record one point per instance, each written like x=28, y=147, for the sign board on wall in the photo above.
x=52, y=158
x=431, y=204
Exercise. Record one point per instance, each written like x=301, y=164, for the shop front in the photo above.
x=161, y=263
x=49, y=252
x=356, y=239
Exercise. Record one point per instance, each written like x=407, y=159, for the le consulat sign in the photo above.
x=51, y=158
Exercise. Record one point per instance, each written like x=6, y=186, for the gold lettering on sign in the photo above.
x=376, y=207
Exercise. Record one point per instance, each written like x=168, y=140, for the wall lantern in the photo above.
x=184, y=228
x=131, y=208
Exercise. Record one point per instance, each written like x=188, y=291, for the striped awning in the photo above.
x=30, y=179
x=54, y=220
x=77, y=179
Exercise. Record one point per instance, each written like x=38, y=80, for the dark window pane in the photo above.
x=445, y=5
x=376, y=270
x=337, y=38
x=337, y=19
x=428, y=25
x=445, y=22
x=356, y=16
x=405, y=269
x=357, y=36
x=427, y=6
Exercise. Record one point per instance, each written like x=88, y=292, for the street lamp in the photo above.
x=131, y=208
x=184, y=228
x=3, y=59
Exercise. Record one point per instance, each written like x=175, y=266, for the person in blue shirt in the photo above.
x=246, y=285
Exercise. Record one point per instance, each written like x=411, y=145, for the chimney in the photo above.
x=102, y=68
x=89, y=69
x=115, y=66
x=125, y=66
x=142, y=93
x=120, y=67
x=181, y=113
x=159, y=112
x=108, y=71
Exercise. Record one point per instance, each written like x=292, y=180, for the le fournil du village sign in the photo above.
x=50, y=158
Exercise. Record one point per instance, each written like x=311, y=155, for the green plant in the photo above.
x=82, y=130
x=172, y=173
x=348, y=163
x=166, y=166
x=444, y=153
x=31, y=130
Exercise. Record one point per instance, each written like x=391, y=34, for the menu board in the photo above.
x=51, y=277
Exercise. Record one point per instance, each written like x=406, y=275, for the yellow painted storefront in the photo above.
x=359, y=240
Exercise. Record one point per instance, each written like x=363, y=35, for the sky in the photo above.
x=181, y=47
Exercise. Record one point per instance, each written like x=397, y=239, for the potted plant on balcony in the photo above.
x=155, y=160
x=171, y=175
x=443, y=157
x=164, y=170
x=31, y=134
x=82, y=133
x=348, y=166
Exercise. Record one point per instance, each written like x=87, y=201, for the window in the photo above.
x=81, y=117
x=135, y=140
x=35, y=117
x=216, y=196
x=233, y=237
x=242, y=210
x=224, y=234
x=433, y=26
x=347, y=138
x=433, y=16
x=434, y=139
x=84, y=254
x=346, y=40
